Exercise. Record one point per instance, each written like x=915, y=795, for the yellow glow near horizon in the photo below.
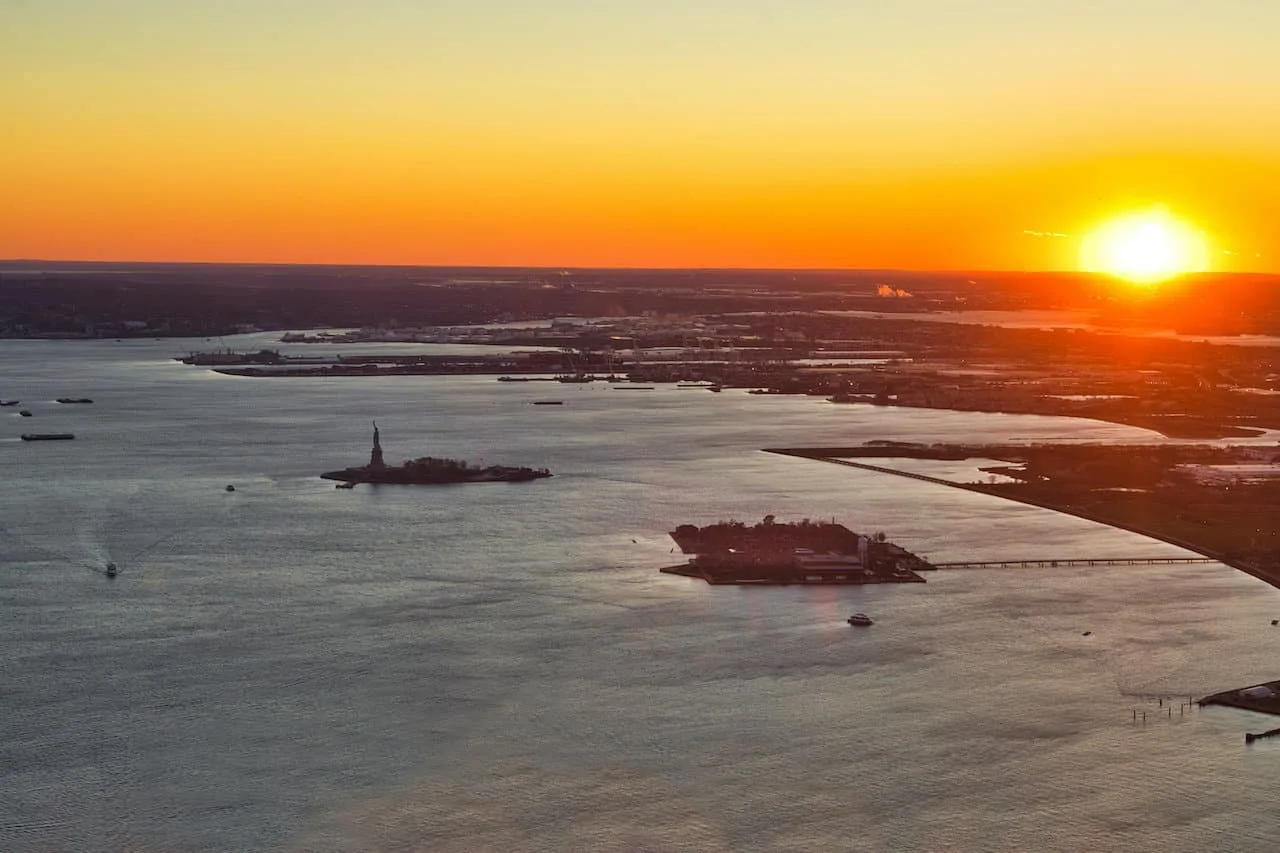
x=1145, y=247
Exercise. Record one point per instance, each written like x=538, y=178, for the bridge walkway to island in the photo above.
x=1050, y=562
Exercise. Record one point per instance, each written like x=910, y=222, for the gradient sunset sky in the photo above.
x=927, y=134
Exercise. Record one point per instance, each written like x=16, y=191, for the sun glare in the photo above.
x=1145, y=247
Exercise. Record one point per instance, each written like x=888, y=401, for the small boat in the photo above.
x=634, y=388
x=25, y=413
x=548, y=402
x=230, y=488
x=860, y=619
x=344, y=485
x=74, y=400
x=9, y=402
x=47, y=436
x=111, y=570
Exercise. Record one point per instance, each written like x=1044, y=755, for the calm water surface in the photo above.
x=500, y=667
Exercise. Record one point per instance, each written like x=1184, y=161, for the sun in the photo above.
x=1145, y=247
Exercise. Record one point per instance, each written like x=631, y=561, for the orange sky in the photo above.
x=932, y=134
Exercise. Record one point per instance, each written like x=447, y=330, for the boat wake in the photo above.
x=98, y=534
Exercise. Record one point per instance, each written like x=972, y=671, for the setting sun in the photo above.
x=1145, y=247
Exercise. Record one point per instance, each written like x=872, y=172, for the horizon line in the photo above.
x=881, y=270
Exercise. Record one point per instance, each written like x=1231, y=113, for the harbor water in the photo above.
x=485, y=667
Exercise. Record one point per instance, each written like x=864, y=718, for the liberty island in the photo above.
x=430, y=470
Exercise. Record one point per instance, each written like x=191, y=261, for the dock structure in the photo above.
x=1249, y=737
x=1051, y=562
x=1262, y=698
